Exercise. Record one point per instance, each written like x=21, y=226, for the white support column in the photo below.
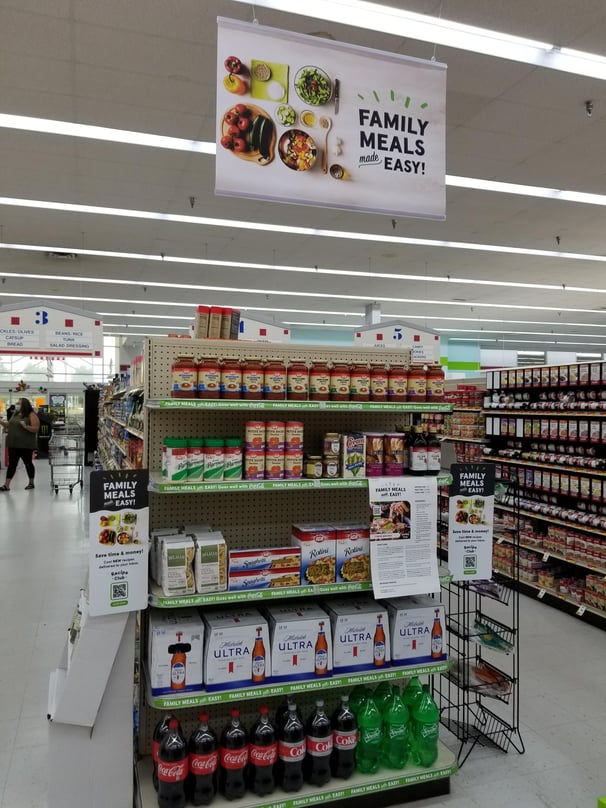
x=372, y=314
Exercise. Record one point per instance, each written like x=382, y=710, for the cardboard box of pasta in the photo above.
x=416, y=629
x=177, y=565
x=317, y=546
x=360, y=634
x=265, y=559
x=155, y=549
x=174, y=651
x=236, y=649
x=210, y=563
x=352, y=550
x=264, y=579
x=301, y=642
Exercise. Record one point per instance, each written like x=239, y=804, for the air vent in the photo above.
x=62, y=256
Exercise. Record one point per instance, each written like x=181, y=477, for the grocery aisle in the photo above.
x=42, y=564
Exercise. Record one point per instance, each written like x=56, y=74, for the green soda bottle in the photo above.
x=425, y=730
x=357, y=697
x=412, y=693
x=368, y=750
x=382, y=695
x=394, y=751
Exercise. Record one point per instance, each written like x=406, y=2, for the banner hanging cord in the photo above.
x=435, y=45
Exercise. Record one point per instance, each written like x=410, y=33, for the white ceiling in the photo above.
x=149, y=66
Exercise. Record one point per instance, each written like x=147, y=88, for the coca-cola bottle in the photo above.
x=172, y=768
x=160, y=731
x=263, y=755
x=344, y=740
x=282, y=713
x=203, y=762
x=291, y=751
x=318, y=737
x=233, y=756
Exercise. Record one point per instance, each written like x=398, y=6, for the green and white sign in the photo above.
x=470, y=521
x=119, y=541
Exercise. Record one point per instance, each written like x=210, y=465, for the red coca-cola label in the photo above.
x=263, y=755
x=201, y=765
x=291, y=751
x=173, y=772
x=318, y=747
x=234, y=758
x=345, y=740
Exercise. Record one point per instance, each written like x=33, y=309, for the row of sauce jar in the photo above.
x=276, y=380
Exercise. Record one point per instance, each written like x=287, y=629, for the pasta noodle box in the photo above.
x=175, y=643
x=360, y=635
x=264, y=579
x=210, y=564
x=301, y=642
x=317, y=546
x=274, y=558
x=177, y=566
x=352, y=550
x=236, y=649
x=416, y=629
x=155, y=549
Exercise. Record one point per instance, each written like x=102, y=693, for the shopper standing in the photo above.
x=21, y=439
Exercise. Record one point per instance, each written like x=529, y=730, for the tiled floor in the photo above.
x=42, y=565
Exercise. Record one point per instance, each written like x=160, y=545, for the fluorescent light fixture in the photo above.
x=148, y=325
x=474, y=320
x=589, y=355
x=538, y=191
x=236, y=224
x=408, y=25
x=503, y=331
x=531, y=353
x=325, y=325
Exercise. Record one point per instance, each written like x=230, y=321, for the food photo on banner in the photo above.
x=470, y=521
x=315, y=122
x=119, y=541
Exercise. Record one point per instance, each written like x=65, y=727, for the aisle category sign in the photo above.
x=470, y=521
x=119, y=541
x=43, y=330
x=403, y=529
x=316, y=122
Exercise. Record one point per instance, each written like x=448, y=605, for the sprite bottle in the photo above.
x=425, y=730
x=357, y=697
x=368, y=750
x=394, y=750
x=412, y=693
x=382, y=695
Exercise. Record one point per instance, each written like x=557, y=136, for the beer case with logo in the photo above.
x=317, y=546
x=411, y=623
x=174, y=651
x=237, y=651
x=360, y=634
x=301, y=648
x=352, y=551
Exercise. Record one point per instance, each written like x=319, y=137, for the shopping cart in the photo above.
x=66, y=458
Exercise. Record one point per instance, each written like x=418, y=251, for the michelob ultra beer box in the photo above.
x=360, y=634
x=174, y=652
x=301, y=642
x=416, y=630
x=317, y=546
x=237, y=651
x=352, y=551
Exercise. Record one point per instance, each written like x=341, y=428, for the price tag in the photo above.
x=580, y=611
x=541, y=594
x=546, y=557
x=501, y=540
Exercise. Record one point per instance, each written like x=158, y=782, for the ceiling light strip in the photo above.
x=408, y=25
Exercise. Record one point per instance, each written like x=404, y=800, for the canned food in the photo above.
x=293, y=435
x=275, y=432
x=255, y=435
x=274, y=465
x=254, y=465
x=293, y=464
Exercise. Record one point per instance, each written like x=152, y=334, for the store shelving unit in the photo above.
x=120, y=441
x=248, y=519
x=547, y=430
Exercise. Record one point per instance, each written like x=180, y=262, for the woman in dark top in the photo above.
x=22, y=430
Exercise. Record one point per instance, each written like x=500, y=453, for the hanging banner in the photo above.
x=470, y=521
x=316, y=122
x=403, y=530
x=44, y=330
x=118, y=535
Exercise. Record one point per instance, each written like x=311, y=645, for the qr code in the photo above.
x=470, y=562
x=119, y=591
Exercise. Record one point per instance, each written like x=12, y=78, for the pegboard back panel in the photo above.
x=161, y=353
x=231, y=423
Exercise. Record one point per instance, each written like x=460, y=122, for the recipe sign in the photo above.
x=470, y=521
x=316, y=122
x=119, y=536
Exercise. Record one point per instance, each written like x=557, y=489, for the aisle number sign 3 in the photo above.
x=42, y=330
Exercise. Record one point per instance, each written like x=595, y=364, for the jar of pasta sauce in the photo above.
x=435, y=384
x=378, y=382
x=359, y=389
x=340, y=381
x=231, y=379
x=274, y=384
x=297, y=381
x=416, y=390
x=184, y=377
x=252, y=379
x=319, y=382
x=397, y=382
